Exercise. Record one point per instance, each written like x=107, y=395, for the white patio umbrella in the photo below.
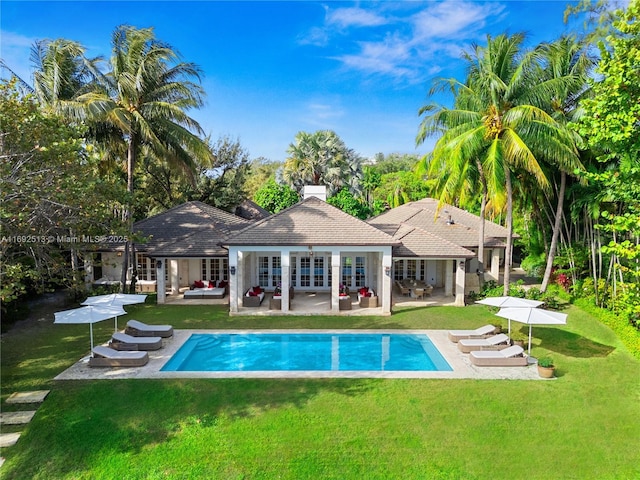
x=533, y=316
x=510, y=302
x=89, y=314
x=115, y=299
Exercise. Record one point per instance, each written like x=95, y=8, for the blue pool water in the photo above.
x=229, y=352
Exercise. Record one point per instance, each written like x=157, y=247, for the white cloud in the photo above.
x=322, y=115
x=406, y=41
x=452, y=19
x=354, y=17
x=15, y=51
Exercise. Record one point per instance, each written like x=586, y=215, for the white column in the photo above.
x=385, y=295
x=460, y=281
x=173, y=275
x=235, y=263
x=285, y=268
x=448, y=277
x=161, y=265
x=495, y=265
x=335, y=280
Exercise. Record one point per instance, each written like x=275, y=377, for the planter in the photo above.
x=546, y=372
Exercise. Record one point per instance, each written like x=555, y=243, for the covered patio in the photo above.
x=311, y=250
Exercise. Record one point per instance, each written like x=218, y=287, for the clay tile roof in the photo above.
x=311, y=222
x=424, y=214
x=419, y=243
x=191, y=229
x=250, y=210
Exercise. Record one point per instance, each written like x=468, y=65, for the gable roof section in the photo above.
x=189, y=230
x=311, y=222
x=422, y=214
x=250, y=210
x=420, y=243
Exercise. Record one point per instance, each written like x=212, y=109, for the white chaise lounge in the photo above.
x=122, y=341
x=136, y=328
x=509, y=357
x=107, y=357
x=457, y=335
x=496, y=342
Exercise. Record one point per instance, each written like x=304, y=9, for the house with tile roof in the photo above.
x=313, y=247
x=182, y=245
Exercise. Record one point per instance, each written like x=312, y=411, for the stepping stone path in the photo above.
x=37, y=396
x=19, y=417
x=16, y=418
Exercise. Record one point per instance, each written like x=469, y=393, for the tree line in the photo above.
x=543, y=140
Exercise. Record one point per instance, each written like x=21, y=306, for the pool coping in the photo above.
x=459, y=362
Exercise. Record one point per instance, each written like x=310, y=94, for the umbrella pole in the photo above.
x=116, y=324
x=91, y=330
x=529, y=339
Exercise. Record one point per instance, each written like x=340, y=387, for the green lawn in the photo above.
x=583, y=425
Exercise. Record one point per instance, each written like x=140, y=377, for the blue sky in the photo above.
x=272, y=69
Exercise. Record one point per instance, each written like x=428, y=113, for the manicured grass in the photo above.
x=582, y=425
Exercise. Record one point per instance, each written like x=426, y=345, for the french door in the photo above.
x=353, y=271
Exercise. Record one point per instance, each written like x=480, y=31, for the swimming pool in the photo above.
x=250, y=352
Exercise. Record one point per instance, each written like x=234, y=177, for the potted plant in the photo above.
x=546, y=368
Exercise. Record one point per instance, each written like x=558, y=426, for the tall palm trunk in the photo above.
x=556, y=232
x=483, y=208
x=509, y=225
x=128, y=258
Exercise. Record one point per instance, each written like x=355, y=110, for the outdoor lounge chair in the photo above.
x=107, y=357
x=139, y=329
x=497, y=342
x=509, y=357
x=456, y=335
x=122, y=341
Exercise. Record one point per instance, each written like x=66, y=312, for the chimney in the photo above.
x=318, y=191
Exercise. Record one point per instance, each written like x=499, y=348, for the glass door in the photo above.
x=353, y=271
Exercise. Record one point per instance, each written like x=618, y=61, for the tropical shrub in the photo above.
x=534, y=265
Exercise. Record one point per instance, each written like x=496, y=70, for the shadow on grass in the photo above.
x=82, y=422
x=570, y=344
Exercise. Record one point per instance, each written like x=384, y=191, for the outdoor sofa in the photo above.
x=253, y=297
x=211, y=290
x=496, y=342
x=136, y=328
x=122, y=341
x=107, y=357
x=457, y=335
x=509, y=357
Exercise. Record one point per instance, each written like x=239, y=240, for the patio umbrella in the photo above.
x=510, y=302
x=115, y=300
x=533, y=316
x=89, y=314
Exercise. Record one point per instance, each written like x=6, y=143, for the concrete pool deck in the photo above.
x=462, y=367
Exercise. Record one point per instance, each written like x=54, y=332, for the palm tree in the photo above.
x=497, y=126
x=145, y=100
x=565, y=59
x=322, y=158
x=61, y=72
